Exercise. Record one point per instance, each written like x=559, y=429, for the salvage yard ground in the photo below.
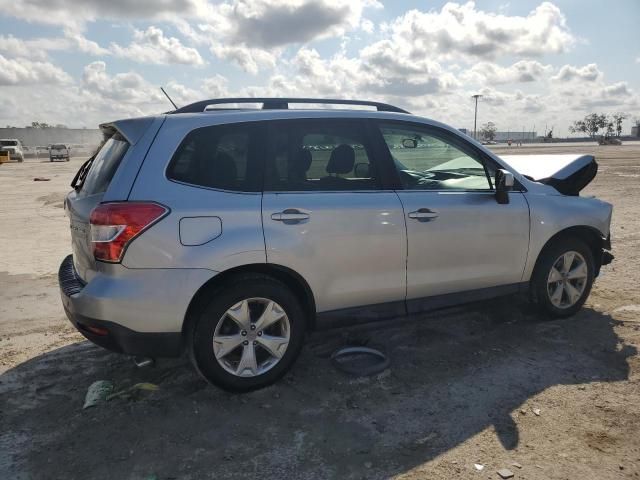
x=489, y=384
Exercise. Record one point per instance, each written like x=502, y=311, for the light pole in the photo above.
x=475, y=115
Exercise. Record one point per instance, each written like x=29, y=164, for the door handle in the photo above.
x=423, y=215
x=292, y=215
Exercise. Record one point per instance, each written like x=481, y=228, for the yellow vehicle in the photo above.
x=5, y=156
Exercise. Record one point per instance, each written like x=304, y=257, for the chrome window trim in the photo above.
x=239, y=192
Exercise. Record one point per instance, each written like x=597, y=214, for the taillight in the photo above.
x=115, y=225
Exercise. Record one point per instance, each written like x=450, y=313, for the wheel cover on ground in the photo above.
x=251, y=337
x=567, y=280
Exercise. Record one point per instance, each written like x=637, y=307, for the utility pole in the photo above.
x=475, y=116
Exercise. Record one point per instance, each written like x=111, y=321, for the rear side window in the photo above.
x=218, y=157
x=104, y=165
x=321, y=155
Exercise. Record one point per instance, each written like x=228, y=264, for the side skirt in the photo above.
x=382, y=311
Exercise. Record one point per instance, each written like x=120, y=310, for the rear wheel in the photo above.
x=563, y=277
x=248, y=335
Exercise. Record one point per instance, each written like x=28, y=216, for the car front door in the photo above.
x=459, y=238
x=327, y=216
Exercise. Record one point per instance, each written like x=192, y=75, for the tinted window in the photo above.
x=319, y=155
x=217, y=157
x=104, y=165
x=428, y=160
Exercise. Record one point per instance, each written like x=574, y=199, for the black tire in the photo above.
x=539, y=281
x=203, y=325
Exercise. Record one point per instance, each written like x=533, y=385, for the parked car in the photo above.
x=605, y=140
x=14, y=147
x=229, y=234
x=59, y=151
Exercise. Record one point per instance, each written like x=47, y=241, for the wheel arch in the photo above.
x=289, y=277
x=590, y=235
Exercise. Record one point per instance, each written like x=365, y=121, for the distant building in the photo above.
x=504, y=136
x=515, y=136
x=635, y=131
x=41, y=137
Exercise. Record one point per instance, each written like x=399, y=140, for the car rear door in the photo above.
x=328, y=217
x=459, y=238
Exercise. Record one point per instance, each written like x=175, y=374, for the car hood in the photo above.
x=568, y=174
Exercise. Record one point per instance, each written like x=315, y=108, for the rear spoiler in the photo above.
x=131, y=129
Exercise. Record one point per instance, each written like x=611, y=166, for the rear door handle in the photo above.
x=292, y=215
x=423, y=214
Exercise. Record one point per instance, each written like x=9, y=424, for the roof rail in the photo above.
x=283, y=103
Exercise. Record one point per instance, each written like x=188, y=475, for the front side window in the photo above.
x=216, y=157
x=319, y=155
x=427, y=160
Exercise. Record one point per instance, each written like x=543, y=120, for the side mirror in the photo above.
x=409, y=143
x=504, y=183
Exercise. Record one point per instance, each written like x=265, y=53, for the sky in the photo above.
x=537, y=64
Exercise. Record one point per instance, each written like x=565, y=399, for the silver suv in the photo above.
x=228, y=233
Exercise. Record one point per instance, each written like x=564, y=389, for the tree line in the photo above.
x=593, y=125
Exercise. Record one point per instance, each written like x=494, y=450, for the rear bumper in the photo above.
x=108, y=309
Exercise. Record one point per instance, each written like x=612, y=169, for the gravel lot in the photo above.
x=489, y=384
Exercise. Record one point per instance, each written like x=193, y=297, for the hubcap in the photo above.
x=567, y=280
x=251, y=337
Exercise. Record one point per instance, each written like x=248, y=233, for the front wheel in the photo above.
x=248, y=335
x=563, y=277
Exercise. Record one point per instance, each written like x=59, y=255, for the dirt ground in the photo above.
x=489, y=384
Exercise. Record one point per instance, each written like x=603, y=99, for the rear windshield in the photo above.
x=58, y=147
x=8, y=143
x=105, y=164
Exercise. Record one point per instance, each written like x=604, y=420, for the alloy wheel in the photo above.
x=567, y=279
x=251, y=337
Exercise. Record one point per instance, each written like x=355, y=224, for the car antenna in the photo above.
x=167, y=95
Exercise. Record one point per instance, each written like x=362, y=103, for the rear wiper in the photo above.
x=78, y=180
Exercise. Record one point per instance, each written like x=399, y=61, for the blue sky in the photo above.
x=82, y=62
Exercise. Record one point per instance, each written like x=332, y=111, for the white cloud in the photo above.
x=216, y=86
x=77, y=12
x=253, y=34
x=464, y=30
x=122, y=87
x=249, y=59
x=367, y=25
x=268, y=24
x=520, y=72
x=587, y=73
x=17, y=47
x=38, y=48
x=28, y=72
x=151, y=46
x=77, y=41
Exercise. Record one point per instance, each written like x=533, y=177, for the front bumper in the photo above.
x=82, y=303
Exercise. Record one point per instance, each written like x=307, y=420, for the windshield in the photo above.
x=104, y=165
x=8, y=143
x=58, y=147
